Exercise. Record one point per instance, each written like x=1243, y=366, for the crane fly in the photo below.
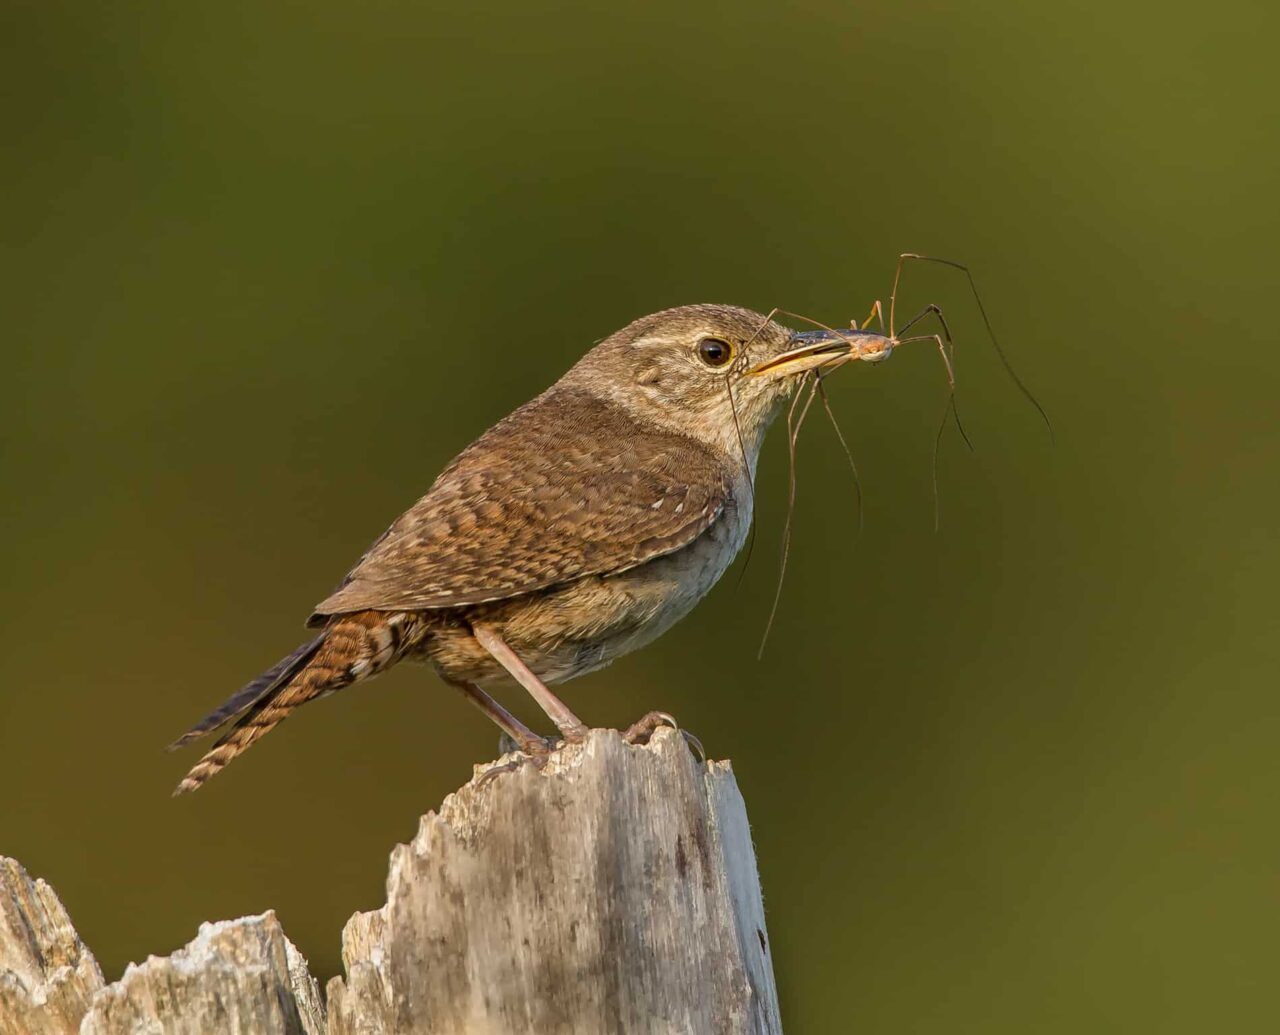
x=858, y=343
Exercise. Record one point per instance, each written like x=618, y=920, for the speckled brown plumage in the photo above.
x=574, y=530
x=568, y=485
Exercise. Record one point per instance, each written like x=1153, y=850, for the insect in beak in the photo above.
x=815, y=349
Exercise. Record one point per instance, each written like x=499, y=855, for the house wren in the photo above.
x=578, y=528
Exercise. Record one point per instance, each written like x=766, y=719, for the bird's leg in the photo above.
x=573, y=728
x=523, y=737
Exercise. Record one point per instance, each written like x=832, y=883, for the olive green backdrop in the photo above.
x=266, y=268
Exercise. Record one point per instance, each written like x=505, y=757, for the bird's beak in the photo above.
x=812, y=349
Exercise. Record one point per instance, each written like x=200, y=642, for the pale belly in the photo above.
x=585, y=625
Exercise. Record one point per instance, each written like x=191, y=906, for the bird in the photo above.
x=575, y=530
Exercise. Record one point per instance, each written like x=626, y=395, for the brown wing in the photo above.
x=567, y=486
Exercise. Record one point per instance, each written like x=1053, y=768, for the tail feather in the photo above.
x=353, y=647
x=259, y=720
x=283, y=670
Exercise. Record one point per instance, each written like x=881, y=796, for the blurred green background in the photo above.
x=266, y=268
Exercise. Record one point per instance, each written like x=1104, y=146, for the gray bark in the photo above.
x=235, y=976
x=47, y=975
x=613, y=890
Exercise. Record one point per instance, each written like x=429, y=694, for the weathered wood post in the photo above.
x=614, y=890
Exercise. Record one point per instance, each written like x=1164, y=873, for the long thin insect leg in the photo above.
x=793, y=432
x=728, y=384
x=848, y=453
x=948, y=360
x=876, y=311
x=948, y=357
x=937, y=444
x=949, y=411
x=764, y=323
x=931, y=309
x=893, y=293
x=751, y=541
x=991, y=333
x=746, y=467
x=964, y=435
x=942, y=350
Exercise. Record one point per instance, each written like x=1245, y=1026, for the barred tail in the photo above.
x=282, y=671
x=353, y=647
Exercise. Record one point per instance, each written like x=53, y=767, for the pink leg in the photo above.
x=570, y=725
x=528, y=741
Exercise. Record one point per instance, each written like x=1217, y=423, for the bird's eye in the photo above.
x=714, y=352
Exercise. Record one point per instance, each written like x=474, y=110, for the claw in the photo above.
x=537, y=761
x=695, y=745
x=534, y=751
x=643, y=728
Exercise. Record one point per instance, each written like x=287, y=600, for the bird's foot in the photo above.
x=517, y=763
x=534, y=746
x=643, y=728
x=532, y=750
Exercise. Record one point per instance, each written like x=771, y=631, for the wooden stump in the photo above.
x=48, y=976
x=613, y=890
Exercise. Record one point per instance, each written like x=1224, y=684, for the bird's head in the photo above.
x=718, y=373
